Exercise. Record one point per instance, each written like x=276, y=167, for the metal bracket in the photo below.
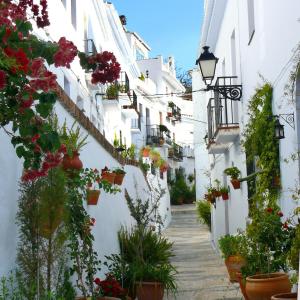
x=233, y=92
x=288, y=119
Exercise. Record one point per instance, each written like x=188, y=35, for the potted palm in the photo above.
x=230, y=248
x=73, y=140
x=234, y=173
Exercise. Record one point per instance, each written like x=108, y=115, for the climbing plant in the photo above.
x=262, y=147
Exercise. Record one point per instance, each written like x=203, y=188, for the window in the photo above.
x=73, y=13
x=251, y=23
x=67, y=87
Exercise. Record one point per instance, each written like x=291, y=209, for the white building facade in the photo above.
x=253, y=40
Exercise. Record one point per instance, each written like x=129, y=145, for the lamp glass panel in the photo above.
x=208, y=68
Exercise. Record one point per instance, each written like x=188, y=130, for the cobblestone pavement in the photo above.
x=202, y=273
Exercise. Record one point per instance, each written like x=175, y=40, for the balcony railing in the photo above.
x=175, y=152
x=157, y=135
x=222, y=114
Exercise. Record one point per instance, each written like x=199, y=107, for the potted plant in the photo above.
x=73, y=140
x=269, y=241
x=109, y=289
x=163, y=167
x=224, y=192
x=144, y=166
x=107, y=175
x=230, y=248
x=291, y=296
x=234, y=173
x=120, y=174
x=112, y=91
x=154, y=155
x=145, y=151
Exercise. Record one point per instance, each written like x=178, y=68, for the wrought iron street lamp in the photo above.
x=279, y=129
x=224, y=85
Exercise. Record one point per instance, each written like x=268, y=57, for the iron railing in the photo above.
x=157, y=135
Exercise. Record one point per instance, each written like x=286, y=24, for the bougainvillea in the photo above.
x=105, y=67
x=28, y=89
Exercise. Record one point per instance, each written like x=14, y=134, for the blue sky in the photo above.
x=169, y=27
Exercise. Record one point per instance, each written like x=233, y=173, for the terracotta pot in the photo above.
x=234, y=263
x=276, y=181
x=92, y=197
x=264, y=286
x=225, y=196
x=291, y=296
x=169, y=114
x=235, y=183
x=149, y=291
x=109, y=176
x=119, y=178
x=72, y=162
x=146, y=152
x=108, y=298
x=242, y=284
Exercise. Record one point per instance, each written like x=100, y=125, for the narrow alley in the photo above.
x=201, y=272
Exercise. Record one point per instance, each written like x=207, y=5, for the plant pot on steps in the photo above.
x=92, y=197
x=72, y=162
x=234, y=263
x=235, y=183
x=264, y=286
x=149, y=291
x=291, y=296
x=242, y=283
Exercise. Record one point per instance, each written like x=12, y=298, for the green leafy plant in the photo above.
x=72, y=138
x=224, y=190
x=144, y=166
x=112, y=91
x=203, y=208
x=230, y=245
x=119, y=171
x=234, y=172
x=191, y=178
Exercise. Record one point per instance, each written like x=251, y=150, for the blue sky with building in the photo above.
x=169, y=27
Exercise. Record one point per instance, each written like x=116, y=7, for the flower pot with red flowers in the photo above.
x=107, y=175
x=92, y=196
x=224, y=192
x=120, y=174
x=109, y=289
x=234, y=173
x=145, y=151
x=230, y=248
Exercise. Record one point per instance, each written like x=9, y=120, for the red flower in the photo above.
x=280, y=214
x=35, y=138
x=65, y=54
x=285, y=225
x=269, y=209
x=97, y=281
x=2, y=80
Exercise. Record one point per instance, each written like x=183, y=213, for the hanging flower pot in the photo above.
x=235, y=183
x=264, y=286
x=108, y=176
x=119, y=178
x=225, y=196
x=72, y=162
x=92, y=196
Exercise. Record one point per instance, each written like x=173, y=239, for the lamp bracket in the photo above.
x=288, y=119
x=225, y=87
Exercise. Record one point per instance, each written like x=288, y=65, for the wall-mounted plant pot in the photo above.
x=264, y=286
x=92, y=197
x=72, y=162
x=149, y=291
x=169, y=114
x=234, y=263
x=225, y=196
x=146, y=152
x=109, y=176
x=276, y=182
x=291, y=296
x=119, y=178
x=217, y=194
x=235, y=183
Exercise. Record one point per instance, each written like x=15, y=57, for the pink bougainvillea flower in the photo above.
x=65, y=54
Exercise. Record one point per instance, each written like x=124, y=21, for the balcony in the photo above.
x=223, y=126
x=175, y=152
x=157, y=135
x=130, y=110
x=173, y=113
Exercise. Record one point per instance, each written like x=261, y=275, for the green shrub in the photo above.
x=230, y=245
x=181, y=193
x=204, y=213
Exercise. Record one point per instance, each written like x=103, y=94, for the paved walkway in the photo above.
x=202, y=273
